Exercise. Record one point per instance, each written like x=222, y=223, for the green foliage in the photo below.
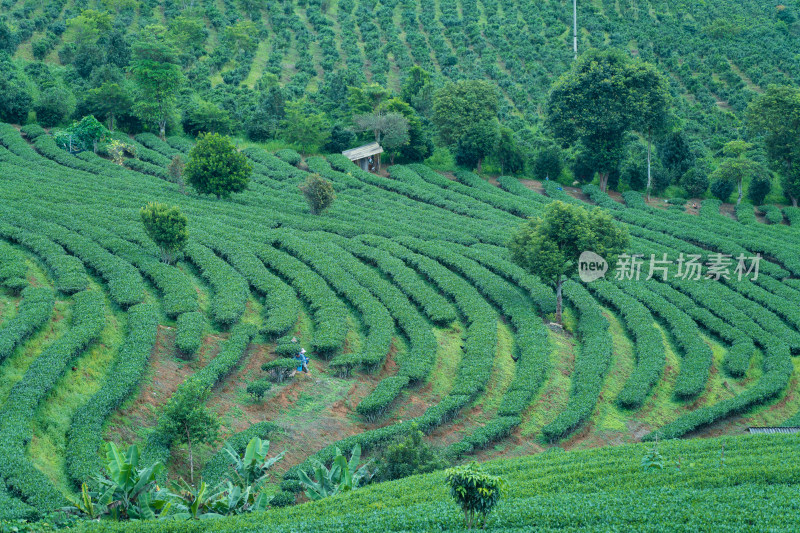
x=318, y=192
x=475, y=492
x=549, y=247
x=126, y=491
x=166, y=226
x=776, y=114
x=83, y=135
x=85, y=435
x=457, y=106
x=158, y=78
x=547, y=164
x=186, y=420
x=477, y=141
x=408, y=457
x=602, y=97
x=722, y=189
x=216, y=167
x=206, y=117
x=190, y=328
x=34, y=310
x=342, y=476
x=308, y=130
x=218, y=468
x=258, y=389
x=695, y=182
x=759, y=188
x=53, y=105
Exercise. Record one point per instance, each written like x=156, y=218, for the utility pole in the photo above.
x=575, y=27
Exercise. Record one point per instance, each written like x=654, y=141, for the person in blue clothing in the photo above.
x=302, y=361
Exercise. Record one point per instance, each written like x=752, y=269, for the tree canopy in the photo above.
x=550, y=246
x=776, y=115
x=216, y=167
x=603, y=96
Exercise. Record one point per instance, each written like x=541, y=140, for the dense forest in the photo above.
x=301, y=72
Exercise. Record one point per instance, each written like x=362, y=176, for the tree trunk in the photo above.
x=603, y=181
x=480, y=164
x=649, y=175
x=162, y=128
x=794, y=200
x=191, y=458
x=739, y=185
x=558, y=299
x=111, y=122
x=575, y=27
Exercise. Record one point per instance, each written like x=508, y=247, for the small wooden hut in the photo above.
x=368, y=157
x=772, y=430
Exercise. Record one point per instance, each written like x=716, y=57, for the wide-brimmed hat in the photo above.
x=302, y=350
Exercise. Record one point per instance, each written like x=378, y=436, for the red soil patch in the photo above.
x=165, y=372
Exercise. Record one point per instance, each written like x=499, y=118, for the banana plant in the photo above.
x=129, y=492
x=197, y=503
x=251, y=469
x=343, y=476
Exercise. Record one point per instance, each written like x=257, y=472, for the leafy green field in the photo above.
x=405, y=296
x=723, y=484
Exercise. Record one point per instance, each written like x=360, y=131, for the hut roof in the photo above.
x=770, y=430
x=363, y=151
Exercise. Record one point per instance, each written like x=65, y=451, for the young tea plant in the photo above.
x=475, y=491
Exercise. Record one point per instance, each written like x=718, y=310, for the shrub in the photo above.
x=759, y=188
x=476, y=492
x=318, y=192
x=258, y=389
x=409, y=456
x=216, y=167
x=166, y=226
x=722, y=189
x=695, y=182
x=283, y=499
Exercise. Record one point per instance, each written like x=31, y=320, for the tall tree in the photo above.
x=108, y=101
x=776, y=115
x=597, y=102
x=575, y=28
x=476, y=143
x=550, y=246
x=304, y=127
x=651, y=92
x=158, y=77
x=417, y=90
x=458, y=106
x=186, y=420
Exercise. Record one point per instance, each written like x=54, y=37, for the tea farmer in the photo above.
x=302, y=361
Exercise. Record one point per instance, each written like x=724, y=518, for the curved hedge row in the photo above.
x=189, y=334
x=591, y=365
x=19, y=474
x=69, y=275
x=650, y=354
x=34, y=310
x=85, y=435
x=696, y=358
x=230, y=288
x=13, y=271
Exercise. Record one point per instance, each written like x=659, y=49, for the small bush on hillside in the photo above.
x=722, y=189
x=258, y=389
x=475, y=491
x=759, y=189
x=318, y=192
x=408, y=457
x=695, y=182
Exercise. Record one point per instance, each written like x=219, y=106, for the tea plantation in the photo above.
x=414, y=315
